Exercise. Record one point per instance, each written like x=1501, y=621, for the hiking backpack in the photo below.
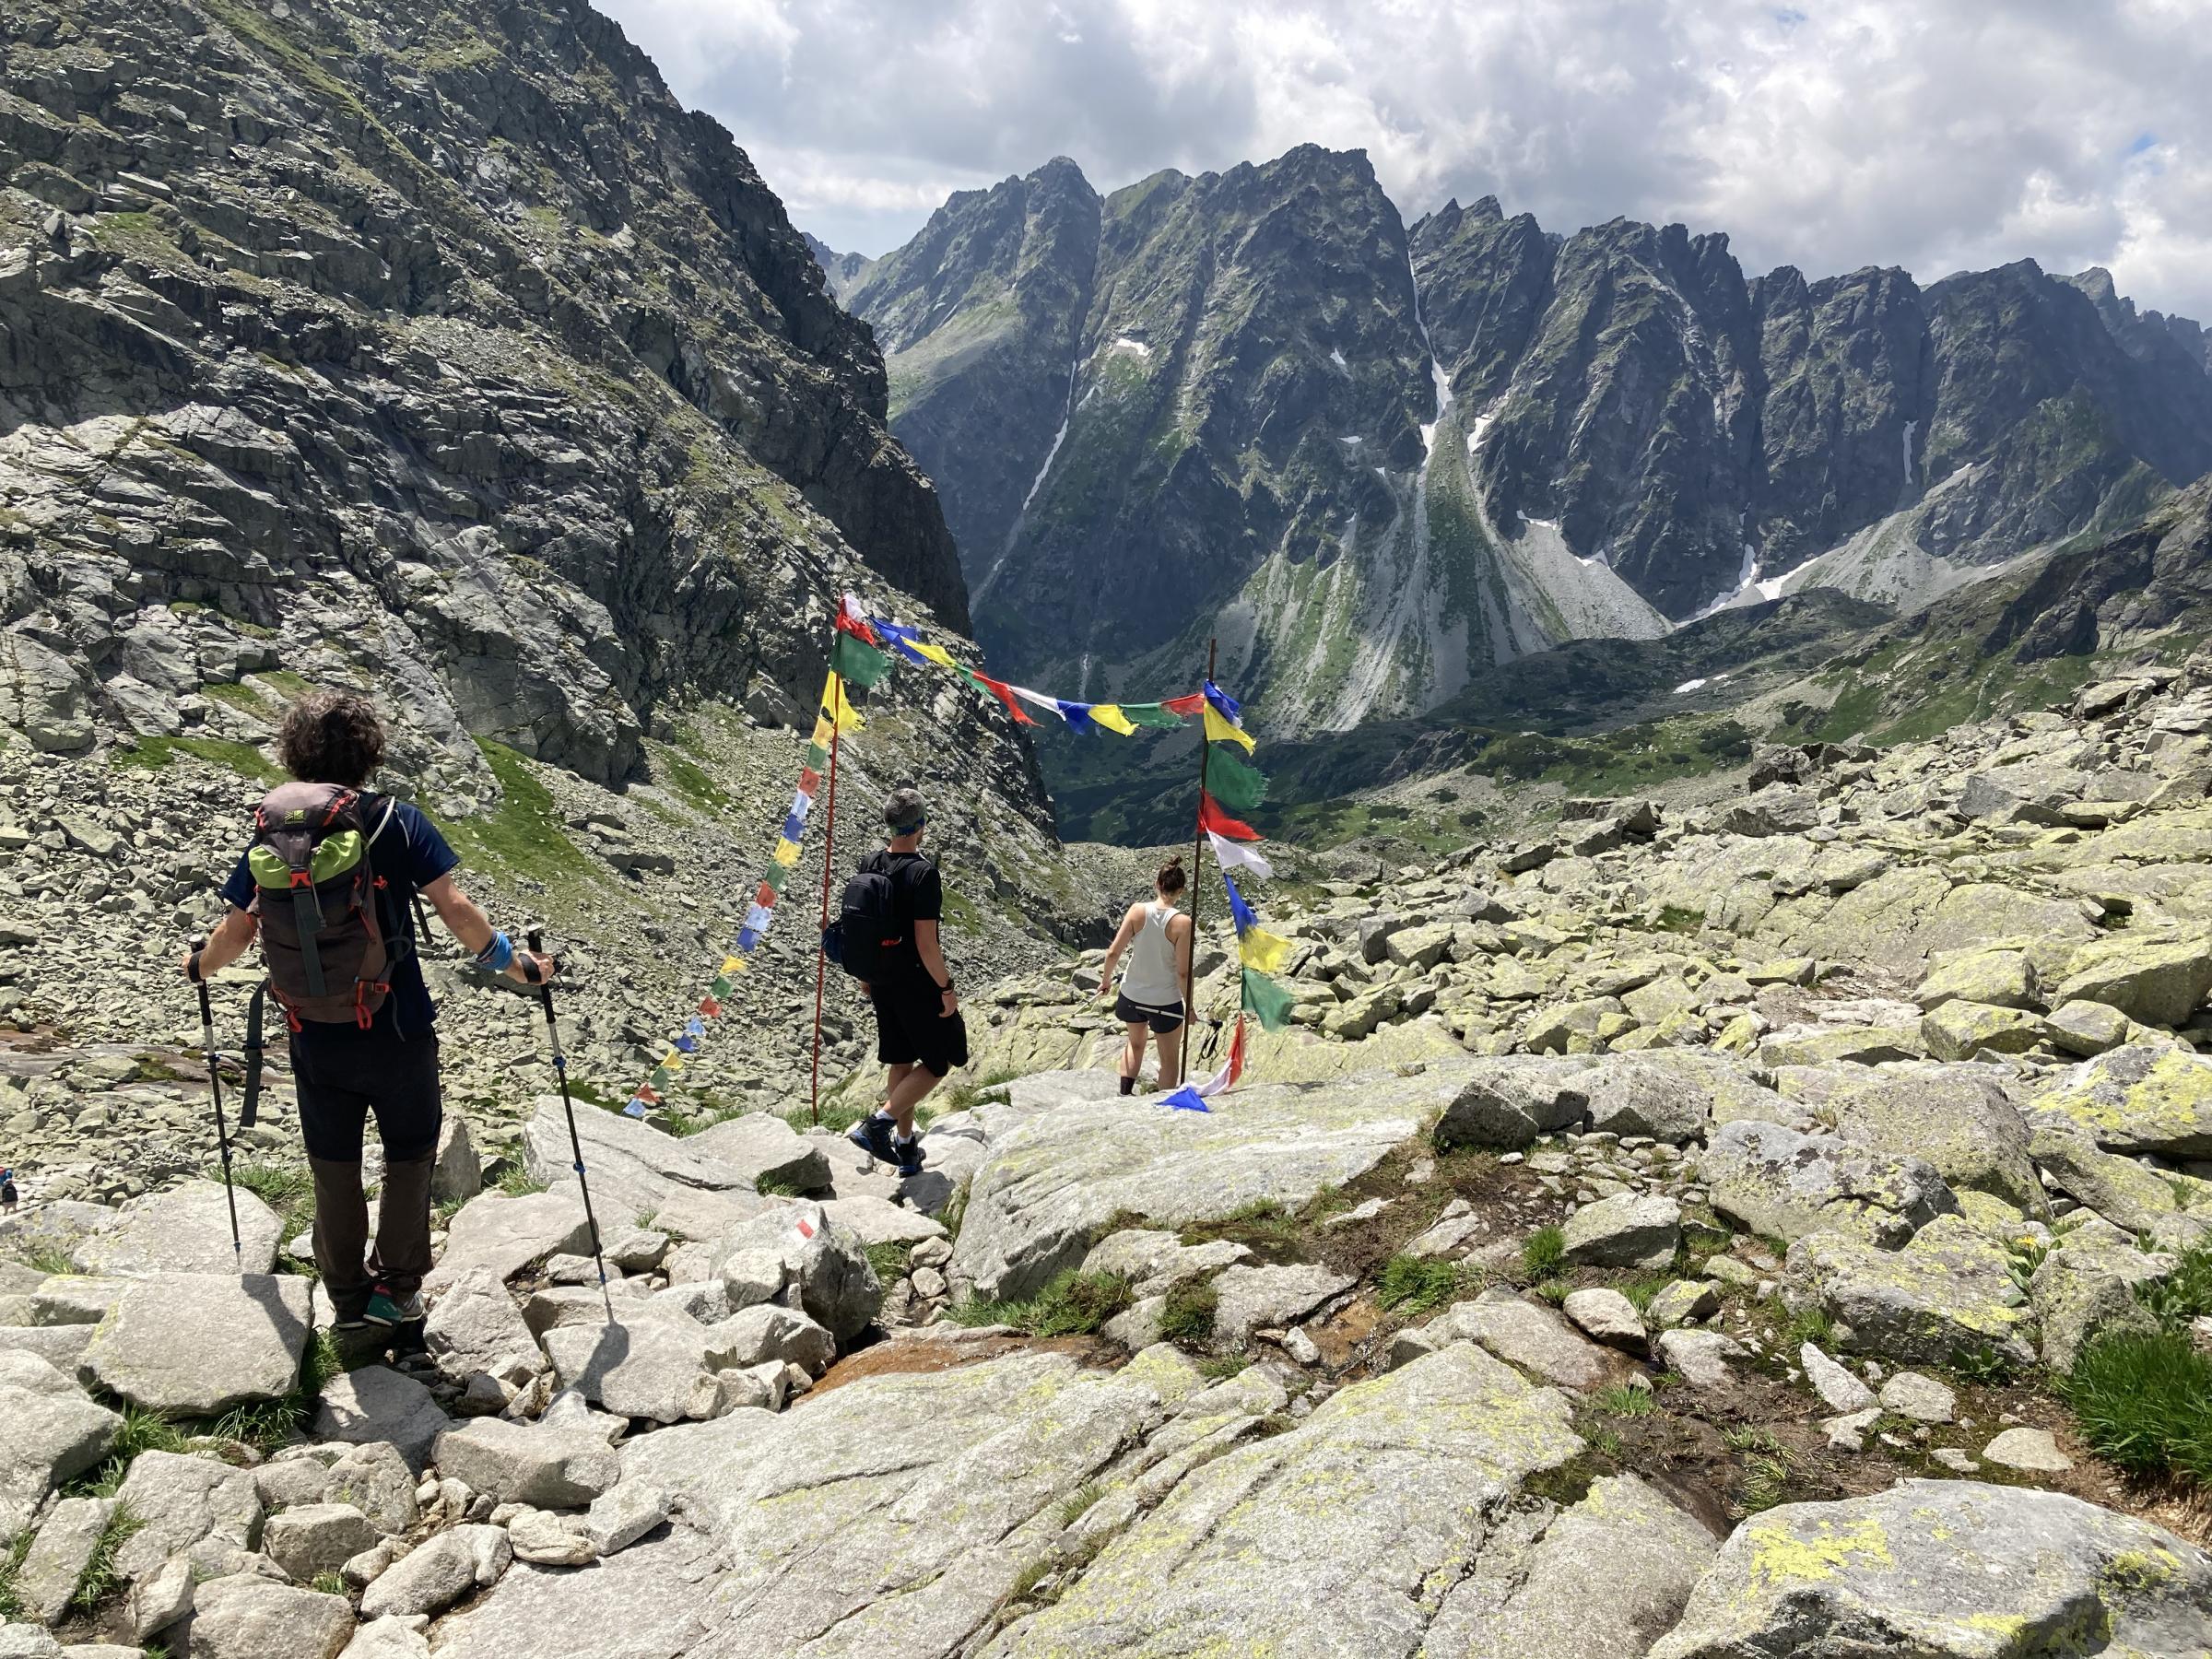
x=869, y=937
x=320, y=933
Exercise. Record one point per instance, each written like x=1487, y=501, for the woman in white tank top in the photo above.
x=1157, y=938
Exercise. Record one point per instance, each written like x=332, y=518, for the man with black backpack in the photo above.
x=328, y=883
x=888, y=940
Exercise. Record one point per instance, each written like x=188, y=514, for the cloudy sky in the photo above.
x=1932, y=133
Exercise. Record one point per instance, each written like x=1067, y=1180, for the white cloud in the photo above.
x=1932, y=133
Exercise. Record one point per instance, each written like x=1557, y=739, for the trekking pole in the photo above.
x=215, y=1082
x=560, y=1070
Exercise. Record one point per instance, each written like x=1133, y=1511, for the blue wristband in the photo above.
x=498, y=956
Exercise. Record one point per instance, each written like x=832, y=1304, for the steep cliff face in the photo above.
x=1374, y=461
x=424, y=347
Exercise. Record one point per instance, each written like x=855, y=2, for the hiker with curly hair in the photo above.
x=327, y=884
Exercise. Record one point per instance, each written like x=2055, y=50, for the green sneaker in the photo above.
x=385, y=1308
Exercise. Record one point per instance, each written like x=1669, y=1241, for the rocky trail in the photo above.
x=1754, y=1229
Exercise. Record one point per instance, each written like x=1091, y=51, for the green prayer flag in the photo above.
x=721, y=988
x=1267, y=1001
x=1150, y=714
x=1232, y=780
x=775, y=876
x=818, y=756
x=856, y=662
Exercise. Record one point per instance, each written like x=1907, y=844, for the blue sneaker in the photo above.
x=909, y=1156
x=871, y=1135
x=388, y=1310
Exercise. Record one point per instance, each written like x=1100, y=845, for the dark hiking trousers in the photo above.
x=341, y=1079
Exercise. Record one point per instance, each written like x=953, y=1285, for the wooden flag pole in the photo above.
x=821, y=957
x=1190, y=973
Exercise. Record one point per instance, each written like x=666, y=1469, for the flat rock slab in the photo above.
x=1949, y=1569
x=1252, y=1297
x=925, y=1495
x=1537, y=1339
x=503, y=1235
x=247, y=1617
x=51, y=1437
x=879, y=1221
x=633, y=1168
x=2032, y=1451
x=650, y=1365
x=375, y=1403
x=1593, y=1584
x=182, y=1501
x=183, y=1229
x=547, y=1466
x=1779, y=1184
x=1949, y=1117
x=1322, y=1540
x=1050, y=1185
x=1950, y=1291
x=2141, y=1098
x=475, y=1325
x=198, y=1344
x=762, y=1147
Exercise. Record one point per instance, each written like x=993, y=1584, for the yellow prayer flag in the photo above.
x=1111, y=716
x=731, y=964
x=823, y=731
x=1261, y=951
x=1219, y=730
x=672, y=1061
x=837, y=707
x=935, y=653
x=787, y=852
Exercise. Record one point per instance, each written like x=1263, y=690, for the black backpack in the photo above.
x=870, y=939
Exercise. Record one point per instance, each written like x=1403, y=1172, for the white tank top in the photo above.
x=1150, y=979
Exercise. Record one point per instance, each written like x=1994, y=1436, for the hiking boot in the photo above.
x=909, y=1156
x=871, y=1135
x=349, y=1323
x=386, y=1309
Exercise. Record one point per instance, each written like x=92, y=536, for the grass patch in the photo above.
x=779, y=1187
x=154, y=753
x=1644, y=1286
x=1986, y=1364
x=1622, y=1401
x=889, y=1259
x=1543, y=1251
x=2144, y=1403
x=1186, y=1315
x=1809, y=1324
x=2182, y=1295
x=330, y=1583
x=1553, y=1291
x=11, y=1569
x=963, y=1097
x=1076, y=1504
x=516, y=1182
x=290, y=1192
x=1416, y=1284
x=1074, y=1304
x=1264, y=1225
x=1222, y=1367
x=100, y=1579
x=524, y=832
x=691, y=781
x=49, y=1259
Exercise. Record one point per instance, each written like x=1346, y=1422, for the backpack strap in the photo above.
x=250, y=1107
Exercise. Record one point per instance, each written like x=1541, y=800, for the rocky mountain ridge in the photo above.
x=434, y=352
x=1375, y=458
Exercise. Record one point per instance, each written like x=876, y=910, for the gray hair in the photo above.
x=904, y=811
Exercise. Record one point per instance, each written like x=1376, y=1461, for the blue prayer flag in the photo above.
x=695, y=1025
x=635, y=1109
x=687, y=1044
x=1185, y=1099
x=1231, y=710
x=1077, y=715
x=1239, y=911
x=795, y=827
x=746, y=939
x=899, y=638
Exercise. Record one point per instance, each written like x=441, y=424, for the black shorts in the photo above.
x=1162, y=1020
x=912, y=1029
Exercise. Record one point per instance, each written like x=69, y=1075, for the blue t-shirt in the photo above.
x=408, y=855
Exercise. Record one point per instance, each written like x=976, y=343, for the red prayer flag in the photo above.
x=709, y=1007
x=1211, y=818
x=848, y=623
x=810, y=781
x=765, y=897
x=1005, y=693
x=1185, y=706
x=647, y=1093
